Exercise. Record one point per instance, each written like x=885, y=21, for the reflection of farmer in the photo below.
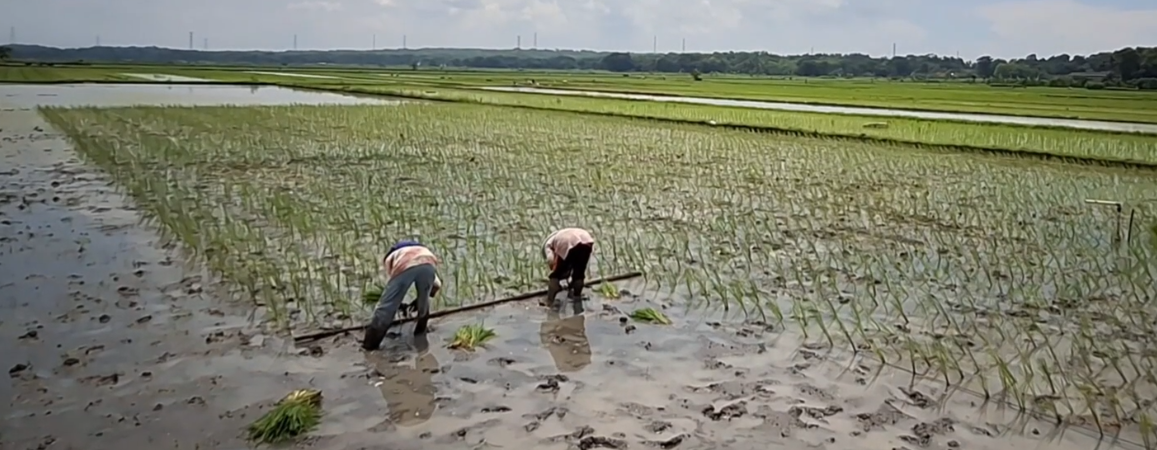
x=408, y=263
x=567, y=252
x=409, y=391
x=566, y=339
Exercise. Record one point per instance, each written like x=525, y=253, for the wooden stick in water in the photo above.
x=445, y=312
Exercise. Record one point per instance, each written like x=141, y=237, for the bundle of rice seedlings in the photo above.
x=650, y=315
x=373, y=294
x=296, y=414
x=609, y=290
x=469, y=337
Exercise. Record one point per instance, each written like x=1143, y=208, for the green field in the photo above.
x=988, y=273
x=1085, y=145
x=1074, y=103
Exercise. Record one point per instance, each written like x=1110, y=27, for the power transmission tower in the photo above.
x=684, y=45
x=535, y=40
x=190, y=40
x=655, y=44
x=295, y=42
x=205, y=44
x=374, y=46
x=11, y=35
x=403, y=42
x=518, y=45
x=98, y=40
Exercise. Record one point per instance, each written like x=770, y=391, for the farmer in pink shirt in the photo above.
x=407, y=263
x=568, y=251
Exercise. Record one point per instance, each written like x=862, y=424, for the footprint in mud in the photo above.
x=918, y=399
x=780, y=422
x=731, y=411
x=102, y=380
x=584, y=439
x=884, y=416
x=815, y=392
x=923, y=432
x=537, y=419
x=551, y=383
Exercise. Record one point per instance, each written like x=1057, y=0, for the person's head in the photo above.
x=402, y=244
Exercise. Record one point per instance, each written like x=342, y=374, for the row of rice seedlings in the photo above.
x=1085, y=144
x=985, y=273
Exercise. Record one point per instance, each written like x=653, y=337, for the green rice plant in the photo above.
x=608, y=290
x=650, y=315
x=987, y=274
x=372, y=294
x=470, y=337
x=295, y=415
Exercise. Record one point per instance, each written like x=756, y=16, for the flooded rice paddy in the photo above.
x=294, y=75
x=163, y=77
x=852, y=110
x=109, y=95
x=116, y=342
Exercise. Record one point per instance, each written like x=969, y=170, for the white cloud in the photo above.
x=1055, y=26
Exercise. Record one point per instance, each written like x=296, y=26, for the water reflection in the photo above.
x=408, y=387
x=113, y=95
x=566, y=338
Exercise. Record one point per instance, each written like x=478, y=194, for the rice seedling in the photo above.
x=1064, y=142
x=296, y=414
x=372, y=295
x=609, y=290
x=986, y=274
x=650, y=315
x=470, y=337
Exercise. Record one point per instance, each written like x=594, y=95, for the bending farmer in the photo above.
x=408, y=263
x=568, y=251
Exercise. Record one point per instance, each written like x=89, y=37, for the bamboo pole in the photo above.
x=445, y=312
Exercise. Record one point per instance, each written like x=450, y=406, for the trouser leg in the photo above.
x=579, y=257
x=424, y=282
x=552, y=290
x=387, y=309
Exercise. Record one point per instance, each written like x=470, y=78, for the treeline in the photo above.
x=1128, y=65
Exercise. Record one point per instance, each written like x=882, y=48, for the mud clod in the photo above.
x=590, y=442
x=734, y=410
x=17, y=369
x=668, y=443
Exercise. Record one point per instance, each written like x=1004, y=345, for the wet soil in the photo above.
x=112, y=341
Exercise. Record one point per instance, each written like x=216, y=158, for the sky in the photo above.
x=1001, y=28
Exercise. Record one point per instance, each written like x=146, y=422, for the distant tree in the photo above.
x=617, y=62
x=695, y=75
x=984, y=67
x=414, y=65
x=5, y=52
x=1126, y=63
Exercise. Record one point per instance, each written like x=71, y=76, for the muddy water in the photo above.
x=295, y=75
x=31, y=96
x=859, y=111
x=111, y=342
x=163, y=77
